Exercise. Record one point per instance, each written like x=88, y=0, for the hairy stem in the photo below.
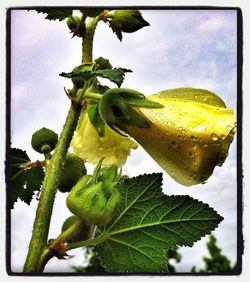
x=46, y=201
x=87, y=42
x=45, y=207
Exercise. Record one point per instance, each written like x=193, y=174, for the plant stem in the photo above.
x=46, y=201
x=44, y=210
x=87, y=42
x=86, y=243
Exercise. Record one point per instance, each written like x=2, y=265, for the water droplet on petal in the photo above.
x=201, y=127
x=214, y=137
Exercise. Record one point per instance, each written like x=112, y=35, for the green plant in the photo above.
x=216, y=261
x=134, y=225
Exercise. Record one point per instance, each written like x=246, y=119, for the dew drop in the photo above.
x=168, y=123
x=201, y=127
x=214, y=137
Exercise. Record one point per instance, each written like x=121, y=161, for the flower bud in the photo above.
x=44, y=140
x=76, y=26
x=126, y=20
x=189, y=136
x=73, y=22
x=72, y=170
x=91, y=204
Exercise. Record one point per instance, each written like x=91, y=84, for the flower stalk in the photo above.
x=45, y=206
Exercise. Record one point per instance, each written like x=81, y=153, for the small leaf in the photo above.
x=147, y=223
x=56, y=14
x=95, y=118
x=24, y=182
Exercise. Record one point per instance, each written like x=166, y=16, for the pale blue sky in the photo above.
x=179, y=49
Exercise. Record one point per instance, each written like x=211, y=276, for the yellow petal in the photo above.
x=89, y=146
x=189, y=136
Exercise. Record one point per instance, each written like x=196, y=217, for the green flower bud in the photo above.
x=73, y=169
x=126, y=20
x=92, y=202
x=76, y=26
x=44, y=140
x=73, y=22
x=84, y=232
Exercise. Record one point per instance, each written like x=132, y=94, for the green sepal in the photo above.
x=108, y=176
x=135, y=98
x=95, y=198
x=95, y=118
x=115, y=111
x=91, y=205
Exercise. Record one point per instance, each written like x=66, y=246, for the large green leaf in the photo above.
x=23, y=182
x=147, y=223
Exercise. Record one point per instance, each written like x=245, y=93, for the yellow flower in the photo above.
x=89, y=146
x=189, y=136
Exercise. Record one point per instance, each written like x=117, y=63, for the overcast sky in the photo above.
x=179, y=49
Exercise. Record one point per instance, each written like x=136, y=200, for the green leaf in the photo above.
x=56, y=14
x=84, y=72
x=95, y=118
x=24, y=182
x=147, y=223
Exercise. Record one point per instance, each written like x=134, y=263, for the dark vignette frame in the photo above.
x=240, y=239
